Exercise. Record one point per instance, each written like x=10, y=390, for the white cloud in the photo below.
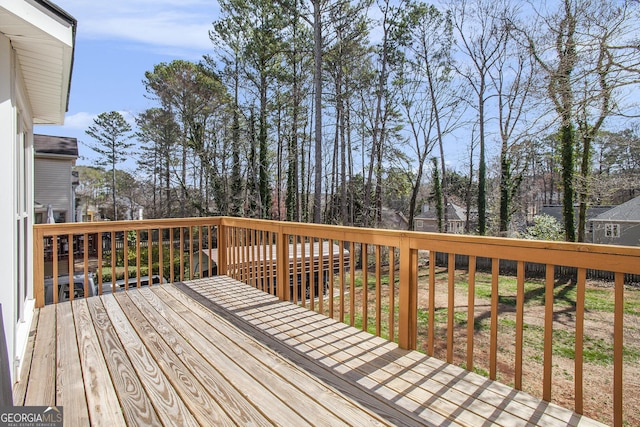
x=82, y=120
x=160, y=30
x=129, y=117
x=79, y=121
x=170, y=24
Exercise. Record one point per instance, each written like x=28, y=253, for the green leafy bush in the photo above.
x=545, y=227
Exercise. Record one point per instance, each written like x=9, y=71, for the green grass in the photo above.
x=596, y=350
x=564, y=293
x=371, y=280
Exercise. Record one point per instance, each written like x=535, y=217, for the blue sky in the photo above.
x=116, y=42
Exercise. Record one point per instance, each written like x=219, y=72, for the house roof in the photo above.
x=43, y=38
x=56, y=145
x=629, y=211
x=454, y=213
x=556, y=211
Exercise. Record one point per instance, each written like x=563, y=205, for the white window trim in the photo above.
x=612, y=230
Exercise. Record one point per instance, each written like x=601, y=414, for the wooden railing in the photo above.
x=109, y=256
x=508, y=326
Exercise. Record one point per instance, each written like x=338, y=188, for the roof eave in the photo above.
x=46, y=32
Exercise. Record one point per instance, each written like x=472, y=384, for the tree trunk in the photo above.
x=567, y=144
x=265, y=194
x=317, y=83
x=482, y=167
x=505, y=190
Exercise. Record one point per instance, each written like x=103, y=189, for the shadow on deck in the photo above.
x=218, y=352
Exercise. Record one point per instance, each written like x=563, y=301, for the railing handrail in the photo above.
x=619, y=260
x=587, y=255
x=101, y=226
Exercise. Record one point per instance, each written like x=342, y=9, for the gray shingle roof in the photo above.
x=454, y=213
x=628, y=211
x=58, y=145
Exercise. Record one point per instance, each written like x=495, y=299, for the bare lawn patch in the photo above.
x=598, y=334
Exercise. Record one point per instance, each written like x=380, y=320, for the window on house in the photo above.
x=60, y=216
x=419, y=224
x=612, y=230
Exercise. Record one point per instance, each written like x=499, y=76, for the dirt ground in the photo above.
x=598, y=327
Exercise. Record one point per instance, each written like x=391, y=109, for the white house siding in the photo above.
x=16, y=142
x=628, y=233
x=33, y=91
x=52, y=185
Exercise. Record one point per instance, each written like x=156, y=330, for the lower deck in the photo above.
x=217, y=352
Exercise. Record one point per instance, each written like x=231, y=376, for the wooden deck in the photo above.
x=218, y=352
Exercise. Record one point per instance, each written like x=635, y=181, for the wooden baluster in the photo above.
x=310, y=269
x=138, y=258
x=432, y=304
x=392, y=293
x=303, y=271
x=548, y=333
x=493, y=344
x=378, y=291
x=519, y=326
x=126, y=260
x=471, y=305
x=618, y=351
x=364, y=254
x=149, y=253
x=181, y=254
x=100, y=249
x=330, y=272
x=55, y=289
x=451, y=305
x=71, y=267
x=85, y=262
x=579, y=349
x=171, y=257
x=341, y=279
x=113, y=262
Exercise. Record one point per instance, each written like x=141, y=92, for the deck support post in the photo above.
x=38, y=267
x=221, y=268
x=282, y=265
x=408, y=296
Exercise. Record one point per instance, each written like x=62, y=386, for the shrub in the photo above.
x=545, y=227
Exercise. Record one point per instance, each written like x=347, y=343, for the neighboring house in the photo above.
x=427, y=220
x=619, y=225
x=592, y=211
x=53, y=184
x=393, y=220
x=37, y=41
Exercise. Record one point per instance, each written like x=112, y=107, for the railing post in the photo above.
x=408, y=296
x=222, y=249
x=38, y=267
x=282, y=265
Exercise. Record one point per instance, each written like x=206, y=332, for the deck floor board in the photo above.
x=416, y=379
x=43, y=365
x=169, y=406
x=102, y=400
x=69, y=391
x=136, y=405
x=217, y=352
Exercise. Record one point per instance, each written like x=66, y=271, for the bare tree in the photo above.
x=584, y=49
x=608, y=73
x=555, y=50
x=512, y=80
x=482, y=33
x=426, y=34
